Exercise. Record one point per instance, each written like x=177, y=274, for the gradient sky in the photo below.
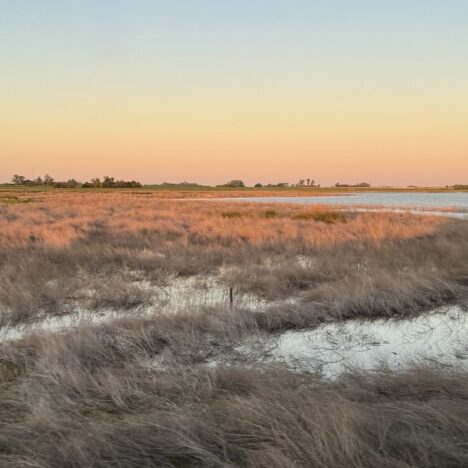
x=211, y=90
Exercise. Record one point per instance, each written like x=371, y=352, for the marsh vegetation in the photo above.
x=134, y=384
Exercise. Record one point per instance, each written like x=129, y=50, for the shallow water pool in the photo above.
x=440, y=336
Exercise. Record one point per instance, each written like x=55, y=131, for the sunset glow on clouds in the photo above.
x=213, y=90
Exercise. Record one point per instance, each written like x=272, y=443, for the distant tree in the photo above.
x=38, y=181
x=48, y=180
x=235, y=183
x=72, y=183
x=258, y=185
x=18, y=179
x=126, y=184
x=279, y=184
x=361, y=184
x=176, y=184
x=108, y=182
x=301, y=182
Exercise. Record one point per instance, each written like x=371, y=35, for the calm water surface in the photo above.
x=440, y=336
x=415, y=201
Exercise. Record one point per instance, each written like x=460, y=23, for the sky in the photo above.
x=212, y=90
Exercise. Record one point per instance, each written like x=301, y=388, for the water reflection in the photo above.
x=439, y=336
x=417, y=200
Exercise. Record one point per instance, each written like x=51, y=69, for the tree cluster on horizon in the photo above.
x=48, y=181
x=359, y=185
x=112, y=182
x=235, y=183
x=307, y=183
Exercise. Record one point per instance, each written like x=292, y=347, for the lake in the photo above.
x=407, y=200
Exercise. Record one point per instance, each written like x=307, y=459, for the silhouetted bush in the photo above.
x=234, y=183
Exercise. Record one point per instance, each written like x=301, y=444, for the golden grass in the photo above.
x=57, y=220
x=63, y=244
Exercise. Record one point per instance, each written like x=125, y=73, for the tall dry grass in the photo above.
x=133, y=394
x=58, y=220
x=137, y=391
x=58, y=247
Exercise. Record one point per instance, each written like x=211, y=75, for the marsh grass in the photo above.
x=91, y=397
x=137, y=391
x=231, y=214
x=55, y=250
x=13, y=200
x=328, y=217
x=270, y=214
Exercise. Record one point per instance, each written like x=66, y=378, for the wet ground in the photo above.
x=440, y=335
x=176, y=294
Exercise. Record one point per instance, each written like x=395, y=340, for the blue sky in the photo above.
x=62, y=59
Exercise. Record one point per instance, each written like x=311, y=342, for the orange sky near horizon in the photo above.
x=171, y=105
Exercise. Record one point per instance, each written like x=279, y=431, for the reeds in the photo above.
x=62, y=245
x=134, y=394
x=137, y=391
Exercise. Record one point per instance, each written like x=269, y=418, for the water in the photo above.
x=440, y=336
x=414, y=200
x=178, y=295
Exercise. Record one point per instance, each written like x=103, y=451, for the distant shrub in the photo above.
x=184, y=184
x=70, y=183
x=231, y=214
x=360, y=185
x=235, y=183
x=328, y=217
x=110, y=182
x=279, y=184
x=270, y=214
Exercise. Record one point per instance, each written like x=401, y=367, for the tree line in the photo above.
x=361, y=184
x=48, y=181
x=300, y=183
x=236, y=183
x=111, y=182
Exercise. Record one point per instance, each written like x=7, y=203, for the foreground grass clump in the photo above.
x=131, y=395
